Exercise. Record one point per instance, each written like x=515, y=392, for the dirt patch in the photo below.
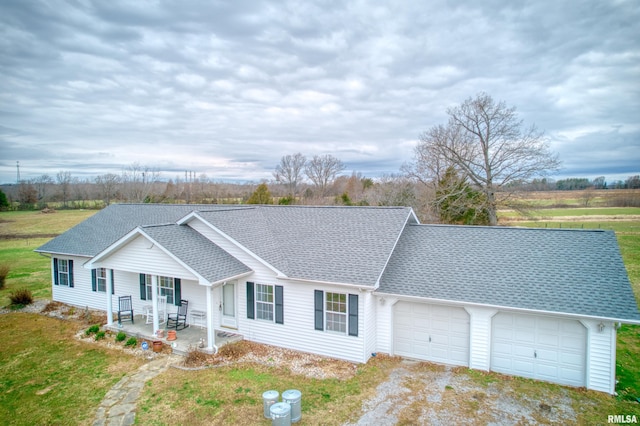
x=305, y=364
x=423, y=393
x=25, y=236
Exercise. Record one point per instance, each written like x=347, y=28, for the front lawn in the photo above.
x=48, y=377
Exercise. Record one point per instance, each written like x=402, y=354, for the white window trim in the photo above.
x=344, y=315
x=163, y=289
x=101, y=277
x=271, y=304
x=64, y=273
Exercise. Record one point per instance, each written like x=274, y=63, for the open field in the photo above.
x=20, y=234
x=581, y=198
x=71, y=377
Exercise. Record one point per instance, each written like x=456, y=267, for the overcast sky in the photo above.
x=227, y=88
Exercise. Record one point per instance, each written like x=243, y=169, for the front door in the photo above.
x=229, y=305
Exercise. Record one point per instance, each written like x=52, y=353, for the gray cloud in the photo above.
x=227, y=88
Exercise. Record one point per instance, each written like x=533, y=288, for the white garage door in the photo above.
x=539, y=347
x=431, y=333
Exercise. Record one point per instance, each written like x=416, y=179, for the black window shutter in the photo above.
x=177, y=285
x=353, y=315
x=70, y=273
x=251, y=313
x=319, y=309
x=143, y=287
x=94, y=278
x=56, y=278
x=113, y=285
x=279, y=305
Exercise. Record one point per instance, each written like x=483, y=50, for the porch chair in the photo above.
x=179, y=319
x=162, y=311
x=125, y=309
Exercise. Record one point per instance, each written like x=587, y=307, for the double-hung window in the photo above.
x=264, y=302
x=101, y=280
x=63, y=272
x=166, y=288
x=336, y=312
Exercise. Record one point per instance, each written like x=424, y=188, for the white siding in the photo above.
x=368, y=321
x=80, y=294
x=480, y=337
x=384, y=319
x=141, y=255
x=601, y=356
x=298, y=330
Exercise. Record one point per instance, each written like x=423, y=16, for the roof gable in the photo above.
x=330, y=244
x=566, y=271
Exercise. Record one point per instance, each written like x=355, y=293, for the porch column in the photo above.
x=211, y=336
x=154, y=303
x=110, y=300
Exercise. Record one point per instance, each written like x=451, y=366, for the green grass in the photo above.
x=233, y=394
x=48, y=377
x=556, y=212
x=37, y=223
x=29, y=269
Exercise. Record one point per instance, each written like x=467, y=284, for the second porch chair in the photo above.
x=179, y=319
x=125, y=309
x=162, y=311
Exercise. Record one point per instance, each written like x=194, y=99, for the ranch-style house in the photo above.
x=349, y=282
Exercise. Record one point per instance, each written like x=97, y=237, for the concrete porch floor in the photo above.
x=187, y=338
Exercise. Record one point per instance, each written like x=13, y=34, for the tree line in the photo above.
x=461, y=171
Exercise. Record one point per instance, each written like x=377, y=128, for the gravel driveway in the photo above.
x=421, y=393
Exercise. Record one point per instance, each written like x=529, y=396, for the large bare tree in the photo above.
x=486, y=143
x=108, y=184
x=289, y=172
x=322, y=171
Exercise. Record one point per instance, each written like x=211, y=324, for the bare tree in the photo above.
x=108, y=184
x=64, y=181
x=138, y=181
x=289, y=172
x=42, y=184
x=322, y=171
x=485, y=142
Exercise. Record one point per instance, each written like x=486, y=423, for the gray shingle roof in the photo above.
x=334, y=244
x=566, y=271
x=203, y=256
x=98, y=232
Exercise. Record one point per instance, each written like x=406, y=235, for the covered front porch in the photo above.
x=163, y=269
x=194, y=336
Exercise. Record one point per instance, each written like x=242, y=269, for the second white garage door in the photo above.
x=431, y=333
x=539, y=347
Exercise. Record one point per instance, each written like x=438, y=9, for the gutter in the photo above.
x=506, y=308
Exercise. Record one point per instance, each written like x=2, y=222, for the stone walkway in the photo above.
x=119, y=404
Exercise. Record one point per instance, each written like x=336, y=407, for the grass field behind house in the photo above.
x=20, y=234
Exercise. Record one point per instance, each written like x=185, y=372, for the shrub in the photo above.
x=121, y=336
x=100, y=335
x=51, y=306
x=92, y=330
x=195, y=358
x=21, y=297
x=131, y=342
x=4, y=271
